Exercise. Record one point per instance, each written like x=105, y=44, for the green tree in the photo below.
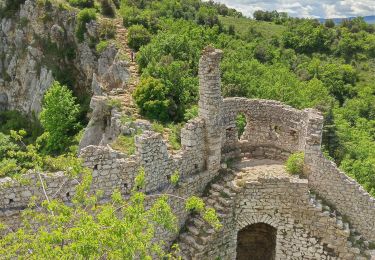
x=329, y=23
x=82, y=3
x=138, y=36
x=89, y=229
x=151, y=98
x=59, y=117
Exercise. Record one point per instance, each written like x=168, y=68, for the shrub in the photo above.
x=174, y=137
x=114, y=103
x=191, y=113
x=59, y=117
x=82, y=3
x=15, y=120
x=157, y=127
x=194, y=204
x=84, y=17
x=10, y=7
x=241, y=124
x=107, y=30
x=294, y=164
x=138, y=36
x=150, y=96
x=107, y=8
x=101, y=46
x=175, y=178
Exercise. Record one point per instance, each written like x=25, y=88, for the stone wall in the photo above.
x=303, y=231
x=269, y=124
x=341, y=191
x=113, y=170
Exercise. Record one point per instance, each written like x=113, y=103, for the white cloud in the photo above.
x=306, y=8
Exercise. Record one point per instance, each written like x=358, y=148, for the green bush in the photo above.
x=174, y=137
x=107, y=30
x=101, y=46
x=150, y=96
x=59, y=117
x=294, y=164
x=157, y=127
x=84, y=16
x=10, y=7
x=108, y=8
x=114, y=103
x=15, y=120
x=191, y=113
x=82, y=3
x=241, y=124
x=138, y=36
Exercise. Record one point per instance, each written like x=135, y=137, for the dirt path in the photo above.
x=128, y=104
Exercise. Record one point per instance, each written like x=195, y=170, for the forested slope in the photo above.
x=298, y=61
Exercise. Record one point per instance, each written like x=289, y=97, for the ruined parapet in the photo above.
x=210, y=104
x=325, y=178
x=273, y=129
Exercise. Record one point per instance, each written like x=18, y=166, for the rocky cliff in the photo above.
x=38, y=45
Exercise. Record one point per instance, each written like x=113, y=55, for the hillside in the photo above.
x=368, y=19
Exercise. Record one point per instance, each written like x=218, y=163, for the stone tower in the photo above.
x=210, y=104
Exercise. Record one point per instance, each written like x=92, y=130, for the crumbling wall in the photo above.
x=270, y=125
x=338, y=189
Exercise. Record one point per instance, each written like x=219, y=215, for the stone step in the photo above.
x=191, y=241
x=193, y=229
x=224, y=202
x=199, y=223
x=217, y=187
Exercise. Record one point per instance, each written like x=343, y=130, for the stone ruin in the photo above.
x=266, y=213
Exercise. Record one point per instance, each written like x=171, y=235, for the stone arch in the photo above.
x=246, y=220
x=243, y=221
x=256, y=242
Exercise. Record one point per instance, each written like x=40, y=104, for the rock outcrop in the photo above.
x=38, y=45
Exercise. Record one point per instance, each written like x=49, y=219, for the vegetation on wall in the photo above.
x=88, y=229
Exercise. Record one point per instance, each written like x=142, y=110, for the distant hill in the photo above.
x=368, y=19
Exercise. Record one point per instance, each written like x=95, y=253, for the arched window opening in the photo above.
x=241, y=124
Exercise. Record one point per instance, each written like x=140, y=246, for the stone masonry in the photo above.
x=256, y=191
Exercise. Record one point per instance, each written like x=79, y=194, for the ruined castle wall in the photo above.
x=276, y=128
x=303, y=231
x=339, y=190
x=113, y=170
x=347, y=196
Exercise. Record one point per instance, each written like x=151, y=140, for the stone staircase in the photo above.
x=198, y=233
x=356, y=242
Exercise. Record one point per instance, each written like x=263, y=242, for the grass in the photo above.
x=114, y=103
x=174, y=137
x=124, y=144
x=172, y=131
x=243, y=25
x=126, y=119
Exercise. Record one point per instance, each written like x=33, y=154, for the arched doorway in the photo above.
x=256, y=242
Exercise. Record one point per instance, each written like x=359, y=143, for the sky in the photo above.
x=306, y=8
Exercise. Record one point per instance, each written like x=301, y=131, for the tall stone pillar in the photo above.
x=210, y=104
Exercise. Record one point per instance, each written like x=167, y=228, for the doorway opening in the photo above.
x=256, y=242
